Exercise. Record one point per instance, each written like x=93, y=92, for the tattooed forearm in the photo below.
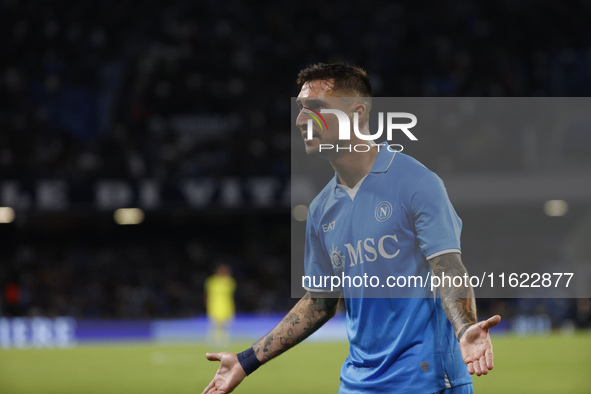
x=306, y=317
x=458, y=302
x=319, y=311
x=292, y=319
x=268, y=340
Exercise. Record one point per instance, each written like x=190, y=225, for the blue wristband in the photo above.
x=249, y=361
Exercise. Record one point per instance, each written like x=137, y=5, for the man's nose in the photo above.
x=302, y=119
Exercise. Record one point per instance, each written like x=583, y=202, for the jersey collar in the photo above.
x=384, y=159
x=381, y=165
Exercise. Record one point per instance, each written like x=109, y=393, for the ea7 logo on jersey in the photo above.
x=328, y=226
x=383, y=211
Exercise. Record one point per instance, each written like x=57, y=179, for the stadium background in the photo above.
x=181, y=108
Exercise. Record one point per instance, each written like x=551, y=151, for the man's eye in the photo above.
x=315, y=107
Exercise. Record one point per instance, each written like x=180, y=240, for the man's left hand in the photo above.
x=476, y=346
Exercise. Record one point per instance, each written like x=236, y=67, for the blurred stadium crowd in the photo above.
x=184, y=89
x=117, y=89
x=156, y=270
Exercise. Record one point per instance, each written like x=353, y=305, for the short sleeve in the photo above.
x=437, y=224
x=316, y=261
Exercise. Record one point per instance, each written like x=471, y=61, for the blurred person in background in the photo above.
x=219, y=300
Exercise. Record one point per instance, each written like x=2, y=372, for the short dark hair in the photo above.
x=346, y=78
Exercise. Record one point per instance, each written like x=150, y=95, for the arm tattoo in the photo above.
x=292, y=319
x=306, y=317
x=458, y=303
x=268, y=340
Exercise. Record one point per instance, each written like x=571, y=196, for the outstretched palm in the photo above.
x=476, y=346
x=228, y=376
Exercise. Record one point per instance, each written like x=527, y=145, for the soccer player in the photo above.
x=219, y=299
x=387, y=214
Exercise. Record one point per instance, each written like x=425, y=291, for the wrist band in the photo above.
x=463, y=330
x=249, y=361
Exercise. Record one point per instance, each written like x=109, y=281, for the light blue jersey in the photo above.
x=397, y=218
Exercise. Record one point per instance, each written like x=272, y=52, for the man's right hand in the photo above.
x=228, y=376
x=307, y=316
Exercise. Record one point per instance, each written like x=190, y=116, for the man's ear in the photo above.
x=361, y=110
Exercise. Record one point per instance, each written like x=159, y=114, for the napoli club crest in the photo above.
x=383, y=211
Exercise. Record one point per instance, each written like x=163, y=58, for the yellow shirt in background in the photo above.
x=220, y=297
